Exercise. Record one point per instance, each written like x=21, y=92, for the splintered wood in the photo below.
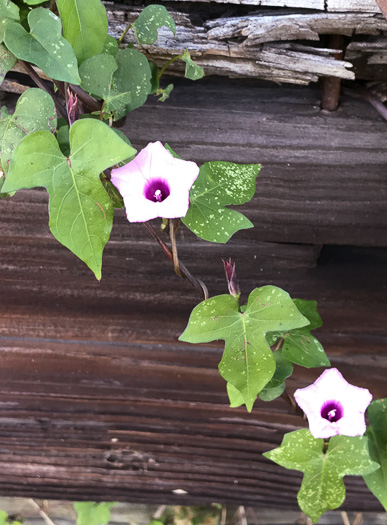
x=272, y=44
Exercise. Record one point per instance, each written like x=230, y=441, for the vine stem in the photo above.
x=43, y=515
x=124, y=33
x=167, y=64
x=185, y=273
x=39, y=82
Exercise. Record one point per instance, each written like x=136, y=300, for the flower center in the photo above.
x=332, y=411
x=157, y=190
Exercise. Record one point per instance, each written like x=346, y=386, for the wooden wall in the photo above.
x=99, y=400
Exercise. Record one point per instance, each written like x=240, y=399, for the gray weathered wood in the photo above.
x=263, y=45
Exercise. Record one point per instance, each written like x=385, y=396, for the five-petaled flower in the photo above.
x=333, y=406
x=155, y=184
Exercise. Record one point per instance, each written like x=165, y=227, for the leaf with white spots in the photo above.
x=81, y=212
x=322, y=487
x=35, y=111
x=300, y=345
x=192, y=70
x=218, y=185
x=247, y=363
x=44, y=46
x=152, y=18
x=377, y=437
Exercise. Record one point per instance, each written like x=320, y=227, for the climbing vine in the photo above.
x=63, y=137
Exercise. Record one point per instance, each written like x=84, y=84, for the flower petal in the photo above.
x=155, y=163
x=331, y=387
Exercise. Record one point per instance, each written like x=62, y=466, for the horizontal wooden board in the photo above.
x=99, y=400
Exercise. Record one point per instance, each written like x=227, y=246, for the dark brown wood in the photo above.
x=100, y=401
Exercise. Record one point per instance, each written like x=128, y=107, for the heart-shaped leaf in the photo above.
x=81, y=212
x=35, y=111
x=220, y=184
x=377, y=437
x=85, y=26
x=122, y=81
x=322, y=488
x=44, y=46
x=247, y=363
x=152, y=18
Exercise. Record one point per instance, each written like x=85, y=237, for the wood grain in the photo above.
x=99, y=400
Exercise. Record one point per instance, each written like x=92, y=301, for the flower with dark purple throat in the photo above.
x=232, y=281
x=333, y=406
x=155, y=184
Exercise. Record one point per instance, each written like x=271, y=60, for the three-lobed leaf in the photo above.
x=34, y=111
x=218, y=185
x=322, y=487
x=90, y=513
x=377, y=437
x=44, y=46
x=81, y=212
x=85, y=26
x=152, y=18
x=247, y=363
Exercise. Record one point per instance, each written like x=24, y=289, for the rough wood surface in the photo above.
x=266, y=44
x=98, y=399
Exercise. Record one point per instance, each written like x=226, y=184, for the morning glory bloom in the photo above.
x=155, y=184
x=333, y=406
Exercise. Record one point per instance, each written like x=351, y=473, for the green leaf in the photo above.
x=247, y=363
x=322, y=487
x=35, y=111
x=97, y=78
x=90, y=513
x=4, y=519
x=152, y=18
x=123, y=82
x=235, y=397
x=269, y=394
x=8, y=11
x=164, y=92
x=192, y=70
x=85, y=26
x=44, y=46
x=300, y=346
x=377, y=440
x=63, y=138
x=7, y=61
x=81, y=212
x=35, y=2
x=220, y=184
x=111, y=46
x=114, y=194
x=133, y=75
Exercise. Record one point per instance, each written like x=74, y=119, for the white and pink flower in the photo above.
x=333, y=406
x=155, y=184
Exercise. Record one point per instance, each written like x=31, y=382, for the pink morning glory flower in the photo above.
x=333, y=406
x=155, y=184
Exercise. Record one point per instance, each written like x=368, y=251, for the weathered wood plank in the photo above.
x=266, y=44
x=98, y=399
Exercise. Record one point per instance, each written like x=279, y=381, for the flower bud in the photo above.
x=72, y=107
x=232, y=281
